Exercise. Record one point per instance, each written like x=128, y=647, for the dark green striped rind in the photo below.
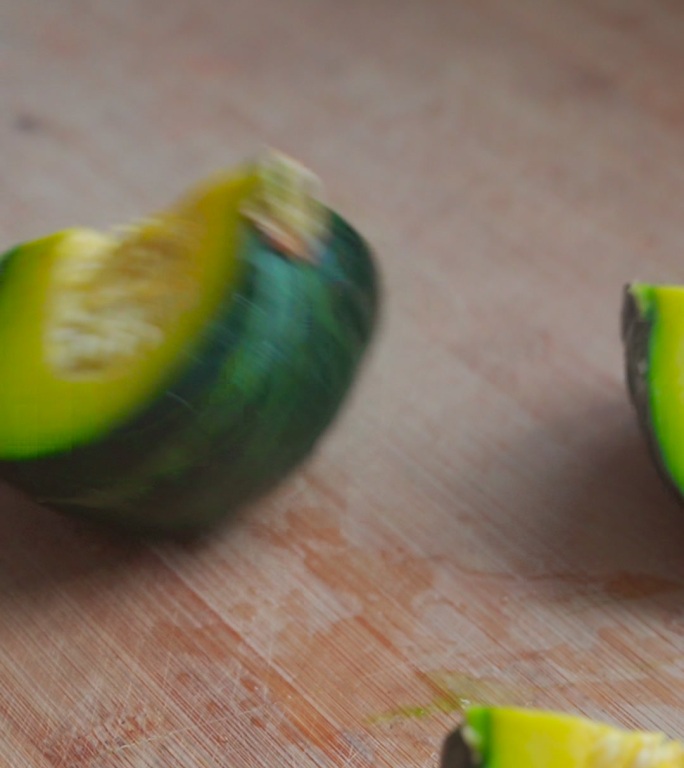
x=247, y=407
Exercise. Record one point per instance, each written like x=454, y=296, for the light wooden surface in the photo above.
x=483, y=522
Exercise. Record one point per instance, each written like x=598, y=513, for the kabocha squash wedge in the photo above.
x=653, y=339
x=162, y=376
x=500, y=737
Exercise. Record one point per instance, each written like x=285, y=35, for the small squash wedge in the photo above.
x=509, y=737
x=653, y=340
x=161, y=376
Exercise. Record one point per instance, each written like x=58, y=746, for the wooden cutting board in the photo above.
x=483, y=523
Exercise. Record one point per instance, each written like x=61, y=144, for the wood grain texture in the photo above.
x=483, y=522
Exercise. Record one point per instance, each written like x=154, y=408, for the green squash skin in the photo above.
x=636, y=331
x=246, y=407
x=456, y=751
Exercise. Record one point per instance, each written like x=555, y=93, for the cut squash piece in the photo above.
x=653, y=337
x=514, y=737
x=163, y=375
